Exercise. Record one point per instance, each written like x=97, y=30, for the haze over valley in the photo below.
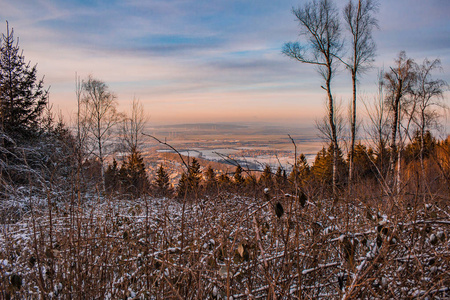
x=253, y=145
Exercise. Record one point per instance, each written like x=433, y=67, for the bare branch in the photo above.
x=171, y=147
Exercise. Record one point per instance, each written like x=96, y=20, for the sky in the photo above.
x=193, y=61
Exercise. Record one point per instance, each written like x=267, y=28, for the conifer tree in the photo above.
x=223, y=181
x=162, y=182
x=251, y=183
x=280, y=178
x=421, y=147
x=194, y=175
x=112, y=176
x=134, y=177
x=363, y=159
x=266, y=177
x=22, y=96
x=182, y=187
x=211, y=180
x=323, y=167
x=238, y=178
x=300, y=172
x=189, y=183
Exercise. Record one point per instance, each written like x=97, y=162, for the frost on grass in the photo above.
x=222, y=247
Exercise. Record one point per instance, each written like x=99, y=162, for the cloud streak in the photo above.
x=204, y=60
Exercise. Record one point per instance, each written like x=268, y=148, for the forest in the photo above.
x=368, y=219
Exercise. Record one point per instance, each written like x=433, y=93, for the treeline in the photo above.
x=371, y=172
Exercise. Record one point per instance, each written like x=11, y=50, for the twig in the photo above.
x=170, y=146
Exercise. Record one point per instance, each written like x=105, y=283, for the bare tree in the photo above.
x=133, y=126
x=99, y=116
x=81, y=126
x=360, y=23
x=398, y=82
x=378, y=132
x=428, y=95
x=323, y=125
x=378, y=122
x=319, y=25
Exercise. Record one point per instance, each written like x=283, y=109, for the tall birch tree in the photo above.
x=99, y=116
x=360, y=22
x=322, y=43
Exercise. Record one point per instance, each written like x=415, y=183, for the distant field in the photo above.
x=256, y=143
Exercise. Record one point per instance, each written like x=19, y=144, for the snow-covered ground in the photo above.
x=225, y=246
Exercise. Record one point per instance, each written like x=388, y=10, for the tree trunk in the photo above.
x=422, y=150
x=100, y=155
x=331, y=116
x=395, y=126
x=353, y=132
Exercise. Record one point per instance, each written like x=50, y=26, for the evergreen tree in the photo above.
x=280, y=178
x=266, y=177
x=412, y=151
x=300, y=172
x=323, y=166
x=382, y=156
x=183, y=186
x=251, y=183
x=224, y=181
x=194, y=176
x=112, y=182
x=363, y=159
x=133, y=174
x=238, y=178
x=162, y=182
x=211, y=180
x=189, y=183
x=22, y=97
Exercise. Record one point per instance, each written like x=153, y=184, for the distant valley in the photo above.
x=251, y=145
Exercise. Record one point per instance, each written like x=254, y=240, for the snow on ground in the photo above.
x=221, y=246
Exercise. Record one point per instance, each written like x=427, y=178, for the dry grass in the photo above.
x=227, y=245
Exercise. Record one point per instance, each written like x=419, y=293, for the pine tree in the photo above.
x=238, y=178
x=266, y=177
x=323, y=166
x=224, y=181
x=194, y=176
x=251, y=183
x=300, y=172
x=413, y=150
x=189, y=183
x=280, y=178
x=211, y=180
x=112, y=182
x=22, y=97
x=162, y=182
x=133, y=174
x=363, y=160
x=183, y=186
